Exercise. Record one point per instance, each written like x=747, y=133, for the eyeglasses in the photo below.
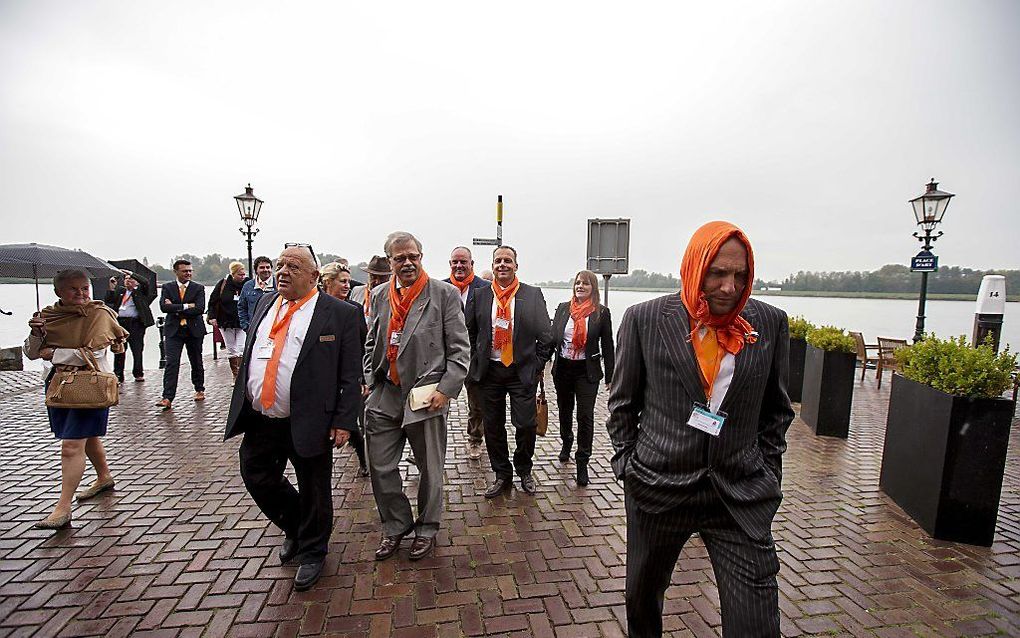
x=400, y=259
x=315, y=259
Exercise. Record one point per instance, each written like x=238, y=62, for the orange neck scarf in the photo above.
x=462, y=285
x=268, y=396
x=401, y=300
x=578, y=312
x=726, y=333
x=503, y=338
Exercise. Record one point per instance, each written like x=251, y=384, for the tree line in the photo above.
x=889, y=278
x=212, y=268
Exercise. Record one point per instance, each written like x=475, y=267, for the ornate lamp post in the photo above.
x=249, y=206
x=928, y=210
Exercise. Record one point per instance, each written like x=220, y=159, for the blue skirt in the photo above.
x=74, y=423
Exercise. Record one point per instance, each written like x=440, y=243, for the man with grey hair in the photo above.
x=416, y=358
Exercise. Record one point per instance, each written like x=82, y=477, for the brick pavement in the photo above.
x=179, y=549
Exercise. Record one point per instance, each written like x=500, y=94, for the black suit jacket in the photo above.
x=195, y=293
x=531, y=330
x=476, y=283
x=142, y=297
x=362, y=332
x=326, y=383
x=598, y=349
x=662, y=460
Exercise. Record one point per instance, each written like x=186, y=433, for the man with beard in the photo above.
x=462, y=275
x=296, y=398
x=416, y=341
x=698, y=419
x=511, y=341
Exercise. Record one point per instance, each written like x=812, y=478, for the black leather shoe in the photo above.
x=288, y=550
x=389, y=546
x=421, y=547
x=528, y=484
x=499, y=486
x=565, y=451
x=582, y=474
x=307, y=575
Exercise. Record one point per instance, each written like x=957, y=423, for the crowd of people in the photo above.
x=698, y=404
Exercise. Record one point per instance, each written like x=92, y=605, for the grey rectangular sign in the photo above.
x=484, y=242
x=609, y=246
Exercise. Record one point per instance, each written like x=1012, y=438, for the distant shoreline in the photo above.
x=818, y=293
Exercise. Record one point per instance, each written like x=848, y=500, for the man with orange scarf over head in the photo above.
x=511, y=341
x=462, y=276
x=698, y=419
x=416, y=358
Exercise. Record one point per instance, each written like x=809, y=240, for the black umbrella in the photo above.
x=39, y=260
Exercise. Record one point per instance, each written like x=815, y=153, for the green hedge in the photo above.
x=800, y=327
x=954, y=367
x=832, y=339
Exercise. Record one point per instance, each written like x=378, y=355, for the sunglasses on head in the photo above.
x=308, y=246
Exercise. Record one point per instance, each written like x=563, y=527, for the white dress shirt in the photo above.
x=722, y=380
x=496, y=353
x=295, y=338
x=127, y=309
x=567, y=350
x=463, y=297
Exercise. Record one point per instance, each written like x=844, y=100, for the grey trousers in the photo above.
x=386, y=437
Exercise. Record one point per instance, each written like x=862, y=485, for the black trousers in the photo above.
x=136, y=341
x=174, y=346
x=357, y=439
x=499, y=382
x=573, y=386
x=304, y=514
x=745, y=569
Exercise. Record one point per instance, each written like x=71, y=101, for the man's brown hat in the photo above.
x=378, y=265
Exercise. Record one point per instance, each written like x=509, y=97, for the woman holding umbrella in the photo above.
x=62, y=334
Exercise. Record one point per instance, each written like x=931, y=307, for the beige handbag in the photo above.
x=84, y=388
x=541, y=410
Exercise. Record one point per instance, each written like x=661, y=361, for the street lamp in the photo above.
x=928, y=211
x=249, y=206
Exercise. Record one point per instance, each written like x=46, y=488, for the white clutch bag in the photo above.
x=419, y=397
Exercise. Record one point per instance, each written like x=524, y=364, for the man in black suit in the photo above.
x=131, y=302
x=183, y=301
x=462, y=275
x=296, y=398
x=698, y=419
x=511, y=341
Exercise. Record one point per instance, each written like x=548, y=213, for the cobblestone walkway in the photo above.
x=179, y=549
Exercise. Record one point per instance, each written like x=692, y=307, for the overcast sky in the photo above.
x=126, y=128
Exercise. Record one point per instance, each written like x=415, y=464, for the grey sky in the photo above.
x=127, y=127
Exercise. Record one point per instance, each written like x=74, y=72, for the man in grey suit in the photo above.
x=698, y=419
x=417, y=337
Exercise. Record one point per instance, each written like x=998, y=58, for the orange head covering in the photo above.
x=732, y=329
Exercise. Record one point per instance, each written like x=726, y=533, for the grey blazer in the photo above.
x=661, y=459
x=433, y=348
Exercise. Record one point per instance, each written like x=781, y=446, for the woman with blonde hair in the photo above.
x=223, y=314
x=583, y=335
x=65, y=334
x=335, y=281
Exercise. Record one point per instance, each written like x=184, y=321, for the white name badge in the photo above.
x=265, y=351
x=395, y=338
x=705, y=420
x=502, y=323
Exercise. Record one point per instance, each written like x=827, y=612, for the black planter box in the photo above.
x=944, y=458
x=798, y=348
x=828, y=391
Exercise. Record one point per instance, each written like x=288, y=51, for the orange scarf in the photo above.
x=503, y=338
x=726, y=333
x=278, y=337
x=462, y=285
x=401, y=300
x=578, y=312
x=368, y=300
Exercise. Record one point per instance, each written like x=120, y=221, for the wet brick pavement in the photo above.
x=179, y=549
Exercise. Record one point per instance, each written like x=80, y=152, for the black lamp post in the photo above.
x=928, y=210
x=249, y=206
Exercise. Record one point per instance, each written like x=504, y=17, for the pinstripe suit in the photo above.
x=679, y=480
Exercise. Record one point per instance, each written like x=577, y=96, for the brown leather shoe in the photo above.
x=421, y=547
x=200, y=396
x=165, y=404
x=54, y=522
x=389, y=546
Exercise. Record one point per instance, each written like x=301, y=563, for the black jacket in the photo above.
x=598, y=349
x=531, y=333
x=175, y=310
x=476, y=284
x=142, y=296
x=325, y=386
x=223, y=302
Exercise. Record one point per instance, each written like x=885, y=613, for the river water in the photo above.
x=873, y=317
